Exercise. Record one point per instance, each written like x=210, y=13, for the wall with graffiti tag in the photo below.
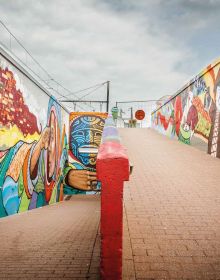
x=33, y=143
x=192, y=115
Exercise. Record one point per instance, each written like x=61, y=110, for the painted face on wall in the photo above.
x=85, y=138
x=186, y=127
x=52, y=145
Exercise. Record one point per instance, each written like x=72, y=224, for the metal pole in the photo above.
x=107, y=104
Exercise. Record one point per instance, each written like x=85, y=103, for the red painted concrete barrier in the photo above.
x=112, y=169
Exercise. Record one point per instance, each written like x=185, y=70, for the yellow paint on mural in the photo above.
x=203, y=126
x=74, y=115
x=209, y=82
x=53, y=196
x=10, y=136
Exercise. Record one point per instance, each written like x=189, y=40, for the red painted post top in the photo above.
x=112, y=170
x=113, y=155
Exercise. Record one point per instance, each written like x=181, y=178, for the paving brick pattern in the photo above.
x=171, y=221
x=171, y=210
x=55, y=242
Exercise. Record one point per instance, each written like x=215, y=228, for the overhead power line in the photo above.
x=50, y=78
x=20, y=44
x=81, y=90
x=81, y=98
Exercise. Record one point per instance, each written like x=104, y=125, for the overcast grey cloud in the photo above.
x=147, y=49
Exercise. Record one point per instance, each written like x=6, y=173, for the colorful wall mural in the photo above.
x=34, y=150
x=33, y=143
x=84, y=140
x=193, y=114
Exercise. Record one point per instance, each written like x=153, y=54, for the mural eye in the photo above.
x=98, y=134
x=78, y=136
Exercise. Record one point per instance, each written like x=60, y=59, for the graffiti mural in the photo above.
x=84, y=140
x=33, y=144
x=37, y=164
x=194, y=112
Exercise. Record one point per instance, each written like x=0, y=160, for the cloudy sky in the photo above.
x=146, y=48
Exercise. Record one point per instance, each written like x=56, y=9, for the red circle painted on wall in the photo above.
x=140, y=115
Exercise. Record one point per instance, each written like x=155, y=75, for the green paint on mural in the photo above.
x=24, y=202
x=40, y=185
x=184, y=136
x=203, y=126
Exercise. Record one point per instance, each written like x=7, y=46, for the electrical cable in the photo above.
x=81, y=90
x=21, y=45
x=81, y=98
x=47, y=73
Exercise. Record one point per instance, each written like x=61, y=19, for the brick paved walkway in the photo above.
x=54, y=242
x=171, y=221
x=172, y=210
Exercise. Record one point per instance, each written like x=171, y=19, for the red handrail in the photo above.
x=112, y=170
